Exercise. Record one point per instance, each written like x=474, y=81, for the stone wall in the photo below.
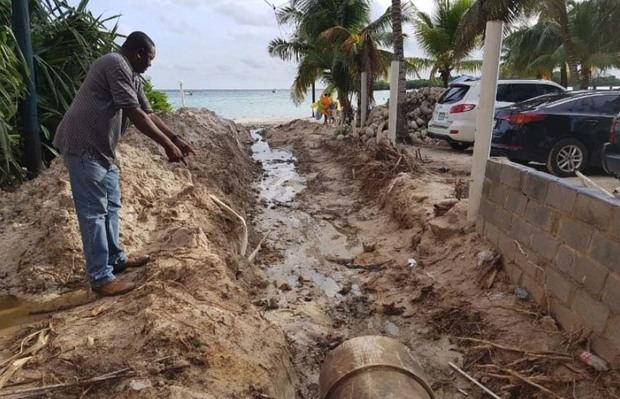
x=562, y=244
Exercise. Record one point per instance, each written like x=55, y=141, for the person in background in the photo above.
x=326, y=102
x=87, y=136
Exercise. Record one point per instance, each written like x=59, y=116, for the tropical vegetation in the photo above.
x=539, y=49
x=66, y=40
x=437, y=34
x=334, y=41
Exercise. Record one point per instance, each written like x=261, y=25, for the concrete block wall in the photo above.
x=562, y=244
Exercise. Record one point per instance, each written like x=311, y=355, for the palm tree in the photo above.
x=438, y=35
x=317, y=59
x=363, y=50
x=399, y=56
x=473, y=23
x=540, y=48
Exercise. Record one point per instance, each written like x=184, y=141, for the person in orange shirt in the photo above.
x=326, y=104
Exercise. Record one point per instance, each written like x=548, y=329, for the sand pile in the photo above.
x=189, y=330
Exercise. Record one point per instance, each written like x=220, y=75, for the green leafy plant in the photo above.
x=159, y=100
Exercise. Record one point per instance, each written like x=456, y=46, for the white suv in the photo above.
x=454, y=117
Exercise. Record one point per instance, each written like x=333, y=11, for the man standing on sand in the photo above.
x=87, y=137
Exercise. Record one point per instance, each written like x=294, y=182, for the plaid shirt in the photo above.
x=94, y=122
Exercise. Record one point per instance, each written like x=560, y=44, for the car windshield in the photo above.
x=453, y=94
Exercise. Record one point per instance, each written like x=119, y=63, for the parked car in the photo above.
x=454, y=117
x=611, y=150
x=565, y=131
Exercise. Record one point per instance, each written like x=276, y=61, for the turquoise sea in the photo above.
x=252, y=105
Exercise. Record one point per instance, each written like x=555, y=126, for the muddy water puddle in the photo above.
x=305, y=242
x=17, y=312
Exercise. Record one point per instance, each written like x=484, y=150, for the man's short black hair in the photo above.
x=138, y=41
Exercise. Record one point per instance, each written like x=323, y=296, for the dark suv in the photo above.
x=611, y=150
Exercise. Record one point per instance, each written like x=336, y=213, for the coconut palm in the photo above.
x=481, y=11
x=540, y=48
x=438, y=34
x=317, y=59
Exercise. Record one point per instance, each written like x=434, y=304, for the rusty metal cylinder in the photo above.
x=372, y=367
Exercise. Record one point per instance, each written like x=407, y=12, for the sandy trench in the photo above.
x=336, y=264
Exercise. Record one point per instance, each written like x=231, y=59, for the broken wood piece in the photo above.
x=532, y=383
x=547, y=354
x=590, y=183
x=258, y=247
x=244, y=237
x=472, y=379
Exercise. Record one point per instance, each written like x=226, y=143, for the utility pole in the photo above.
x=28, y=107
x=486, y=111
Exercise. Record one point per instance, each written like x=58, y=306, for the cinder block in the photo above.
x=480, y=225
x=487, y=209
x=493, y=170
x=612, y=332
x=507, y=247
x=516, y=202
x=606, y=252
x=500, y=217
x=574, y=233
x=561, y=196
x=539, y=215
x=514, y=272
x=593, y=210
x=590, y=274
x=611, y=293
x=497, y=194
x=544, y=244
x=491, y=232
x=511, y=175
x=536, y=289
x=535, y=185
x=530, y=265
x=594, y=313
x=608, y=351
x=521, y=230
x=565, y=258
x=568, y=318
x=558, y=286
x=486, y=187
x=615, y=223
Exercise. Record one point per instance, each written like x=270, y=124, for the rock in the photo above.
x=273, y=303
x=285, y=287
x=420, y=122
x=390, y=309
x=382, y=138
x=391, y=329
x=139, y=385
x=487, y=257
x=340, y=137
x=370, y=130
x=522, y=294
x=382, y=126
x=413, y=125
x=369, y=246
x=441, y=208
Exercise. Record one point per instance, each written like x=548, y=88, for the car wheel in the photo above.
x=458, y=145
x=567, y=157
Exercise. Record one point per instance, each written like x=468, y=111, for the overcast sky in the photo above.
x=216, y=44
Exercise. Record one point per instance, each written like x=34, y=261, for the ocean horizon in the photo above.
x=252, y=105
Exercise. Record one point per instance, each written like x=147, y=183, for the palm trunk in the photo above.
x=445, y=77
x=366, y=68
x=399, y=55
x=563, y=75
x=586, y=77
x=569, y=45
x=347, y=110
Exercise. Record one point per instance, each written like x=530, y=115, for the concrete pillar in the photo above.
x=364, y=94
x=486, y=111
x=182, y=94
x=393, y=112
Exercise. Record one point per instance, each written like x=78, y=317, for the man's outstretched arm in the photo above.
x=185, y=148
x=145, y=124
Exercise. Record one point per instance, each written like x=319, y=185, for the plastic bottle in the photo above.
x=594, y=361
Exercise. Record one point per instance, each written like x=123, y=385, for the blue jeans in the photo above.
x=97, y=198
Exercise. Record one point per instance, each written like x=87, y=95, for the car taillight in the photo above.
x=456, y=109
x=523, y=118
x=612, y=132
